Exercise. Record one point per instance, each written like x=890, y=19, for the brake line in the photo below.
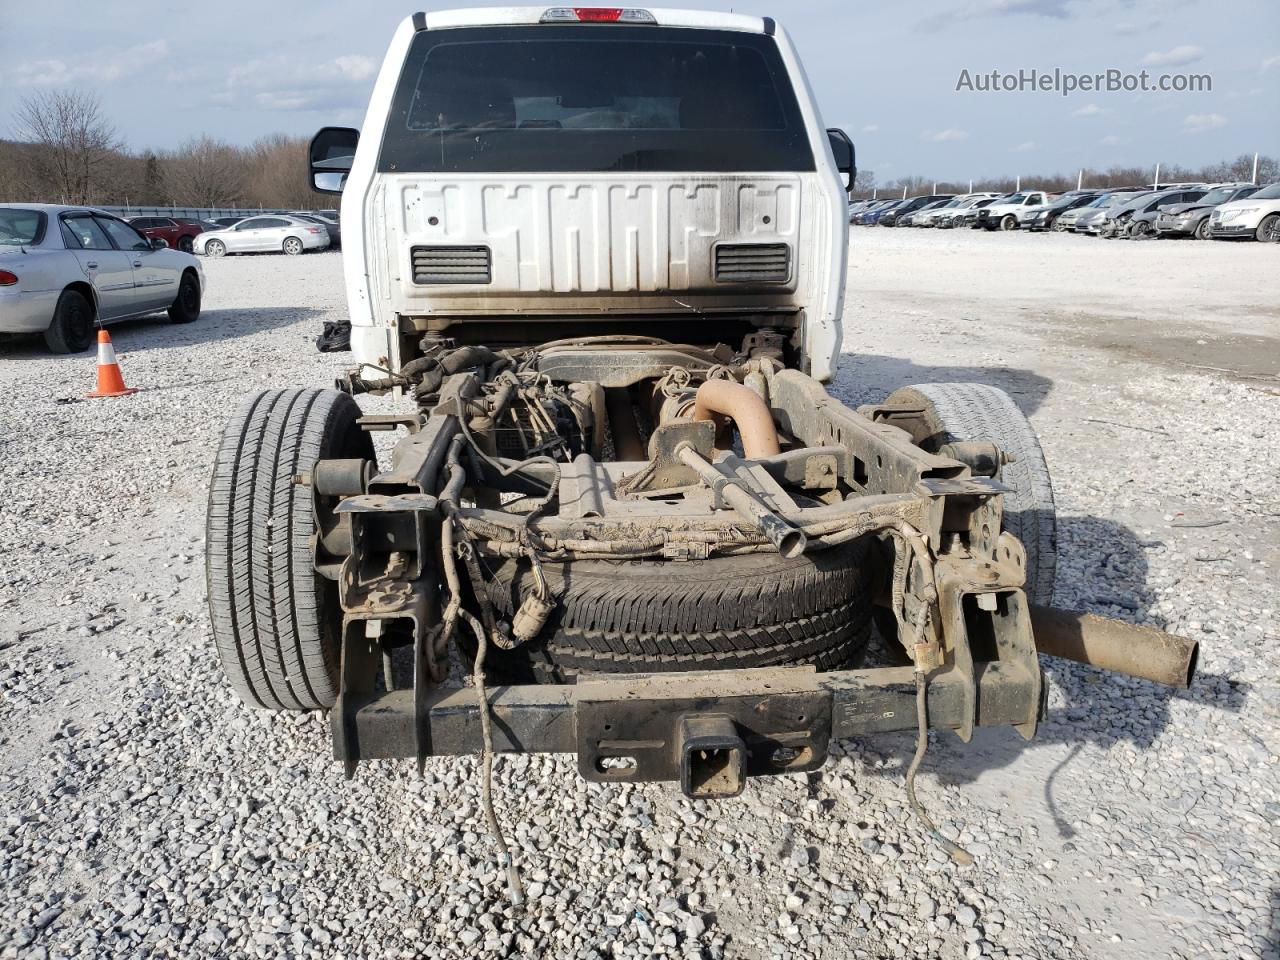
x=914, y=546
x=514, y=888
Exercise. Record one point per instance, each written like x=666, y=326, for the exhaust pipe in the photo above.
x=1115, y=645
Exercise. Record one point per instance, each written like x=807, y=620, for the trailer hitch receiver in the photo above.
x=713, y=758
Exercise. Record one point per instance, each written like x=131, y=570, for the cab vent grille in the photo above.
x=452, y=265
x=753, y=263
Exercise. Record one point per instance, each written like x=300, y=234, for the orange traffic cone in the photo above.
x=110, y=381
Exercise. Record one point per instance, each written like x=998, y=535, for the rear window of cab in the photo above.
x=588, y=98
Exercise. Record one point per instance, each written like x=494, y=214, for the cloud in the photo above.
x=1268, y=63
x=289, y=82
x=944, y=136
x=103, y=66
x=871, y=128
x=357, y=66
x=1200, y=122
x=1110, y=141
x=1133, y=28
x=982, y=9
x=1088, y=110
x=1025, y=147
x=1177, y=57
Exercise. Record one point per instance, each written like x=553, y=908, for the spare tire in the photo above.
x=957, y=412
x=650, y=616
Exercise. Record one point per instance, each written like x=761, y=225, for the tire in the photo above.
x=975, y=411
x=71, y=330
x=292, y=246
x=1008, y=222
x=215, y=248
x=1138, y=229
x=653, y=616
x=1269, y=229
x=186, y=306
x=185, y=244
x=276, y=622
x=1202, y=229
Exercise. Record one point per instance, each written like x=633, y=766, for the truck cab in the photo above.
x=530, y=173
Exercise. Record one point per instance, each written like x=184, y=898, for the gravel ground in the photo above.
x=147, y=813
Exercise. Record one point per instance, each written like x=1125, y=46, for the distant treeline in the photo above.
x=1239, y=169
x=66, y=151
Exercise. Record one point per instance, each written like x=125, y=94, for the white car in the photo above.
x=276, y=233
x=1004, y=212
x=66, y=270
x=1257, y=216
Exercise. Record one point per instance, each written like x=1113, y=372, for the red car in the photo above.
x=179, y=234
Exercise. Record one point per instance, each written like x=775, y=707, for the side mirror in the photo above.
x=331, y=154
x=843, y=152
x=159, y=243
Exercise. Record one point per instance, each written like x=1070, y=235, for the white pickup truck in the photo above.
x=599, y=256
x=1004, y=213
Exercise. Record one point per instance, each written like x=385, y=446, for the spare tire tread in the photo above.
x=650, y=616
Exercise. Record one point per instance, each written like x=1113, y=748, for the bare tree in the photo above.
x=278, y=172
x=75, y=138
x=205, y=172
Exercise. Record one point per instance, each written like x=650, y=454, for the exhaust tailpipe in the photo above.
x=1115, y=645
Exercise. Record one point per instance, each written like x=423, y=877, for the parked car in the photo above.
x=271, y=234
x=202, y=224
x=1043, y=216
x=1050, y=217
x=64, y=270
x=1079, y=219
x=1003, y=213
x=179, y=234
x=330, y=226
x=964, y=216
x=1257, y=216
x=910, y=205
x=872, y=217
x=1135, y=218
x=912, y=219
x=1191, y=219
x=1143, y=224
x=855, y=207
x=930, y=216
x=872, y=213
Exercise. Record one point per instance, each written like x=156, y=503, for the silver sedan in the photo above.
x=266, y=234
x=65, y=270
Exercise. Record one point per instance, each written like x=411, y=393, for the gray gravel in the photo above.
x=147, y=813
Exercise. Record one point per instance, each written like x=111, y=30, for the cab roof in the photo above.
x=533, y=16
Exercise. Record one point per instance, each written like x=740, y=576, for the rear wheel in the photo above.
x=71, y=330
x=654, y=616
x=185, y=244
x=1269, y=229
x=957, y=412
x=276, y=622
x=292, y=246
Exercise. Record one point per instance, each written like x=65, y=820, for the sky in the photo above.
x=886, y=72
